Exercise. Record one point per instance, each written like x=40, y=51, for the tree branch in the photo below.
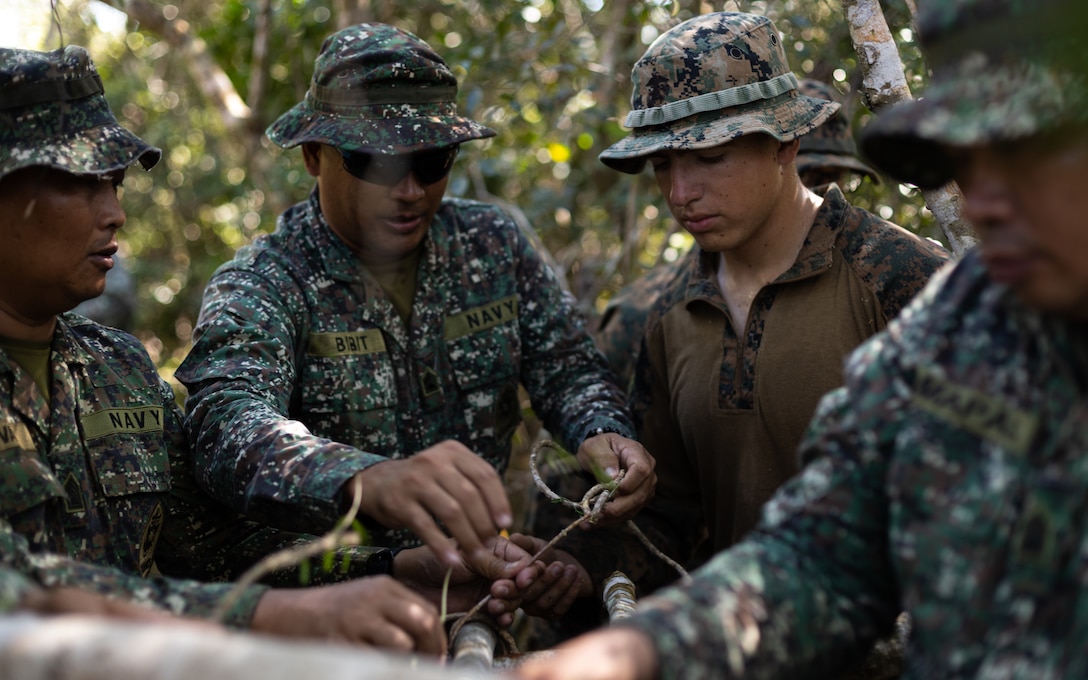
x=208, y=76
x=884, y=83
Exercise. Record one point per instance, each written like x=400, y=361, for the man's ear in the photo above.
x=311, y=156
x=787, y=151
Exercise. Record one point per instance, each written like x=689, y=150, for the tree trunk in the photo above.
x=883, y=84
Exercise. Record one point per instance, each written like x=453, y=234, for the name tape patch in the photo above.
x=122, y=421
x=481, y=318
x=346, y=343
x=977, y=412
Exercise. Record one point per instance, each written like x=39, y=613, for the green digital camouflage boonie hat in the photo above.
x=53, y=113
x=380, y=89
x=1002, y=70
x=710, y=80
x=830, y=145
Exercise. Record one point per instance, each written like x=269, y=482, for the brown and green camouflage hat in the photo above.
x=53, y=113
x=1002, y=70
x=710, y=80
x=830, y=145
x=380, y=89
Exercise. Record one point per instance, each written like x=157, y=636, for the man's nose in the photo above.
x=987, y=196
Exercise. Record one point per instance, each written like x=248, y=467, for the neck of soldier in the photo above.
x=744, y=271
x=15, y=326
x=398, y=279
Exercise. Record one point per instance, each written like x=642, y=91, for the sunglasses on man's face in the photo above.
x=389, y=169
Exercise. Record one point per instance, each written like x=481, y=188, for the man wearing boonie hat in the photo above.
x=829, y=154
x=826, y=155
x=781, y=285
x=948, y=476
x=96, y=487
x=382, y=331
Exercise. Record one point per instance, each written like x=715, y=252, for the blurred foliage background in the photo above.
x=202, y=79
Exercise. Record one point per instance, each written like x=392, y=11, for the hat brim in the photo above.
x=784, y=120
x=974, y=103
x=808, y=161
x=397, y=135
x=93, y=151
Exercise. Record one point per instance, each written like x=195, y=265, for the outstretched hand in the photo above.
x=548, y=590
x=609, y=654
x=374, y=611
x=445, y=484
x=468, y=584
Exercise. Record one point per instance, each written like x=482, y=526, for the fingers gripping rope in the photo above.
x=593, y=501
x=589, y=510
x=592, y=504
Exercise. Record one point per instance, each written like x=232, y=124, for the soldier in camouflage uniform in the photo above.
x=382, y=330
x=96, y=491
x=783, y=283
x=754, y=324
x=949, y=476
x=827, y=155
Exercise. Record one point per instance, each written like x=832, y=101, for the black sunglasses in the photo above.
x=389, y=169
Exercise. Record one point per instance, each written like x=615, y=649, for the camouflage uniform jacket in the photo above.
x=723, y=410
x=302, y=373
x=97, y=490
x=87, y=478
x=948, y=477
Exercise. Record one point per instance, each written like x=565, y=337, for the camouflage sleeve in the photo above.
x=241, y=373
x=183, y=597
x=570, y=385
x=616, y=337
x=894, y=263
x=13, y=587
x=807, y=593
x=623, y=321
x=204, y=540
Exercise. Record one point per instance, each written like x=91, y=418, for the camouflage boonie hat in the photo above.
x=53, y=113
x=710, y=80
x=831, y=145
x=380, y=89
x=1002, y=70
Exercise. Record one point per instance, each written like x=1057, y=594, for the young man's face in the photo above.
x=724, y=195
x=1028, y=201
x=381, y=224
x=60, y=234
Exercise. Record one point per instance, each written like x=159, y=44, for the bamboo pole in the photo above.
x=619, y=596
x=474, y=646
x=84, y=648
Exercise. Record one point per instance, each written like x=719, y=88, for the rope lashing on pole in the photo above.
x=474, y=645
x=589, y=510
x=619, y=596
